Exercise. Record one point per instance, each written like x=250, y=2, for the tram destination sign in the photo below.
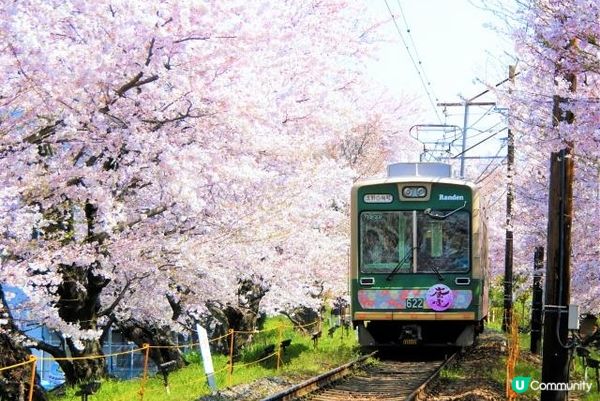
x=378, y=198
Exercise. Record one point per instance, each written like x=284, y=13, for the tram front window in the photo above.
x=387, y=240
x=443, y=243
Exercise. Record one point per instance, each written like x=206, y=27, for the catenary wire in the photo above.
x=412, y=59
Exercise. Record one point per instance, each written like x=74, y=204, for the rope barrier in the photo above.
x=227, y=369
x=305, y=325
x=79, y=358
x=257, y=361
x=16, y=365
x=223, y=369
x=219, y=338
x=253, y=331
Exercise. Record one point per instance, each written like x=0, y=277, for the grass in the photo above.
x=453, y=373
x=526, y=366
x=300, y=360
x=576, y=373
x=495, y=370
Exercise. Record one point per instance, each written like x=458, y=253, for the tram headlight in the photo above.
x=414, y=192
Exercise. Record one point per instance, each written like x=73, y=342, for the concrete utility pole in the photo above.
x=508, y=249
x=466, y=104
x=537, y=301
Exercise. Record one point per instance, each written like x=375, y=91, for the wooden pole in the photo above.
x=508, y=248
x=280, y=338
x=537, y=302
x=560, y=211
x=146, y=348
x=230, y=375
x=33, y=360
x=558, y=269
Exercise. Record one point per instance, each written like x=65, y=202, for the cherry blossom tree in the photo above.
x=554, y=104
x=152, y=155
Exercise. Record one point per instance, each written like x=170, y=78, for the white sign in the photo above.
x=378, y=198
x=206, y=358
x=452, y=197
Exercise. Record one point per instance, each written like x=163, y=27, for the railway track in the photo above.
x=385, y=380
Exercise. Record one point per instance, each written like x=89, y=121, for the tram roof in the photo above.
x=413, y=179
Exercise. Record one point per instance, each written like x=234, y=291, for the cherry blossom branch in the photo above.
x=43, y=133
x=203, y=38
x=150, y=48
x=100, y=237
x=136, y=82
x=109, y=310
x=181, y=116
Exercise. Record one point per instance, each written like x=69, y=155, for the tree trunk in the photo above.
x=305, y=319
x=142, y=333
x=14, y=383
x=244, y=317
x=79, y=304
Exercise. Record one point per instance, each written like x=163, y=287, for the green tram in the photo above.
x=419, y=260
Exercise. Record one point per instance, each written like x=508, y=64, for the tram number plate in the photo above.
x=414, y=303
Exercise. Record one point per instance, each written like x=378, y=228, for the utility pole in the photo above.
x=466, y=104
x=555, y=354
x=464, y=140
x=558, y=274
x=508, y=248
x=537, y=301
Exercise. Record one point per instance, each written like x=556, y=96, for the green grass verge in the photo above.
x=530, y=366
x=300, y=360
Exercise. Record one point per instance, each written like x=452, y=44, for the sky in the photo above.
x=458, y=53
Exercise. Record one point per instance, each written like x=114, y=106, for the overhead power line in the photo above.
x=415, y=64
x=480, y=179
x=414, y=46
x=479, y=143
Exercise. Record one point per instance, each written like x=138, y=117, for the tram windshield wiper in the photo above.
x=434, y=214
x=436, y=271
x=406, y=258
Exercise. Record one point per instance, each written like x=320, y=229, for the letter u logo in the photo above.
x=520, y=384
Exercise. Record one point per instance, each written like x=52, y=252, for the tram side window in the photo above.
x=385, y=238
x=443, y=243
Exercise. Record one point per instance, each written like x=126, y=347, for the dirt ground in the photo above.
x=473, y=377
x=254, y=391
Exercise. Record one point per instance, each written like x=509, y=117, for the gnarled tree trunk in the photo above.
x=305, y=319
x=244, y=317
x=79, y=304
x=14, y=383
x=142, y=333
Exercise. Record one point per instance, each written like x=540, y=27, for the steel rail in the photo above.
x=421, y=389
x=317, y=382
x=326, y=379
